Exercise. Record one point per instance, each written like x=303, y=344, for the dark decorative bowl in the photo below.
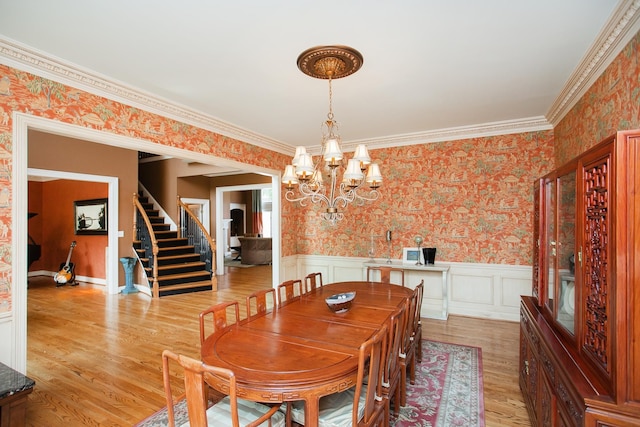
x=340, y=303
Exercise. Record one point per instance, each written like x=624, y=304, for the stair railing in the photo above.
x=143, y=231
x=190, y=227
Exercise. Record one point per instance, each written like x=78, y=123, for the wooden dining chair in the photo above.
x=289, y=291
x=361, y=405
x=263, y=301
x=408, y=354
x=391, y=371
x=385, y=274
x=228, y=411
x=220, y=316
x=417, y=322
x=312, y=281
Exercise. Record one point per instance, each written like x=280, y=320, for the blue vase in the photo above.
x=128, y=263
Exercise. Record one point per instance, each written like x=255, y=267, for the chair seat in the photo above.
x=335, y=409
x=248, y=411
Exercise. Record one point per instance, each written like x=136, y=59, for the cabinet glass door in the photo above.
x=550, y=242
x=566, y=251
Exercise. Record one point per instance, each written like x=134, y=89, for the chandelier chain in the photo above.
x=330, y=114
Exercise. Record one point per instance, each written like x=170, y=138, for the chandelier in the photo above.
x=360, y=181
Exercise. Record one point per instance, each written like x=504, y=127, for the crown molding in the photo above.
x=39, y=63
x=614, y=36
x=531, y=124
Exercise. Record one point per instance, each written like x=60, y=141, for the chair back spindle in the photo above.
x=385, y=274
x=312, y=281
x=220, y=316
x=289, y=291
x=263, y=301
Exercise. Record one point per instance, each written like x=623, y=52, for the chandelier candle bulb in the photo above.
x=289, y=178
x=333, y=152
x=362, y=155
x=305, y=168
x=374, y=177
x=296, y=157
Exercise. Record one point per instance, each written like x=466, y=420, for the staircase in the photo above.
x=179, y=267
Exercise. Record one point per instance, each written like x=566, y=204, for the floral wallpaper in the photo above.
x=611, y=104
x=471, y=199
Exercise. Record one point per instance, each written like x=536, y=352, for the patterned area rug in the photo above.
x=448, y=388
x=447, y=392
x=230, y=262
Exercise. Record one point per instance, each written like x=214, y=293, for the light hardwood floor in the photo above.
x=96, y=357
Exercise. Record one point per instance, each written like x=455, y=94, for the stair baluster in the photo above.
x=143, y=231
x=191, y=228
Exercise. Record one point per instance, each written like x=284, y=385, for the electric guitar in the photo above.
x=66, y=273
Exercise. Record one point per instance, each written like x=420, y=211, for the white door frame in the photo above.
x=275, y=224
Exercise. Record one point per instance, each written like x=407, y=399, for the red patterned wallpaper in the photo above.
x=471, y=199
x=611, y=104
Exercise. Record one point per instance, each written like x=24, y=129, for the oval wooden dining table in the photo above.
x=302, y=351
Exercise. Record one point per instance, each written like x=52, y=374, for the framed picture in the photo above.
x=412, y=256
x=90, y=216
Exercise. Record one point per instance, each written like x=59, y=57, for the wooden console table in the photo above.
x=14, y=389
x=439, y=268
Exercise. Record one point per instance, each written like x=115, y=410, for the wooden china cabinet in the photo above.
x=580, y=329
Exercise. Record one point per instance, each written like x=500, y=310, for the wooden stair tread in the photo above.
x=183, y=275
x=182, y=265
x=168, y=248
x=178, y=256
x=189, y=285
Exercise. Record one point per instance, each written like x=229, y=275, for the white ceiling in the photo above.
x=431, y=68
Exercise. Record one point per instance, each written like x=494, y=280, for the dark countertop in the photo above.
x=12, y=381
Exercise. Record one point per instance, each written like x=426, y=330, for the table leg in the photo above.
x=311, y=412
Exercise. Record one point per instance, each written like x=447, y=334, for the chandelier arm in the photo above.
x=352, y=194
x=290, y=196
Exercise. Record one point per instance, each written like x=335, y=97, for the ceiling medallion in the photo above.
x=330, y=62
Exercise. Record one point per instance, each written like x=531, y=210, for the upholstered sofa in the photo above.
x=255, y=250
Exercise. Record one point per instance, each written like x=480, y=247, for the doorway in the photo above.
x=275, y=223
x=21, y=125
x=238, y=223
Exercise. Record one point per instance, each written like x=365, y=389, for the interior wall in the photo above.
x=196, y=187
x=57, y=214
x=611, y=104
x=59, y=153
x=35, y=223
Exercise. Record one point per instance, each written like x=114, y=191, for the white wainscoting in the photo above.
x=489, y=291
x=7, y=355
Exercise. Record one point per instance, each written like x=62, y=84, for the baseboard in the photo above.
x=84, y=279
